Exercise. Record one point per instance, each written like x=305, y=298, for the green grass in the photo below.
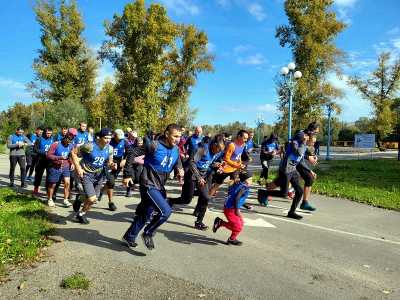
x=3, y=148
x=76, y=281
x=23, y=228
x=374, y=182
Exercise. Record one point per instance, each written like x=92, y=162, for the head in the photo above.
x=217, y=144
x=312, y=130
x=245, y=177
x=69, y=136
x=301, y=136
x=19, y=131
x=198, y=130
x=172, y=134
x=104, y=137
x=128, y=130
x=242, y=136
x=273, y=137
x=91, y=130
x=82, y=126
x=48, y=132
x=39, y=131
x=119, y=134
x=183, y=130
x=64, y=131
x=251, y=135
x=139, y=141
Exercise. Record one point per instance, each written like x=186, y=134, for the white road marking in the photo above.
x=330, y=229
x=257, y=223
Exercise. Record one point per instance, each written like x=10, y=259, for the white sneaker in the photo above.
x=51, y=203
x=67, y=203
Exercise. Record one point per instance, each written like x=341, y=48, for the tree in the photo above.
x=310, y=34
x=106, y=107
x=67, y=113
x=157, y=63
x=65, y=68
x=381, y=89
x=364, y=125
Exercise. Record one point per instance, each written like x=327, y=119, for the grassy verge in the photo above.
x=23, y=227
x=375, y=182
x=3, y=148
x=76, y=281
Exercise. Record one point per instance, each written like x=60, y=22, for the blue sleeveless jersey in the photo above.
x=249, y=145
x=33, y=138
x=81, y=137
x=119, y=148
x=271, y=147
x=97, y=157
x=163, y=159
x=17, y=138
x=237, y=154
x=233, y=191
x=204, y=162
x=62, y=150
x=44, y=144
x=292, y=156
x=60, y=137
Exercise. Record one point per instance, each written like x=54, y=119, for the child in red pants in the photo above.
x=237, y=195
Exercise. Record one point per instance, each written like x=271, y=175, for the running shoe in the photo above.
x=262, y=197
x=82, y=219
x=293, y=215
x=29, y=178
x=112, y=206
x=24, y=185
x=67, y=203
x=148, y=241
x=51, y=203
x=129, y=243
x=11, y=184
x=307, y=206
x=234, y=242
x=217, y=224
x=248, y=207
x=200, y=226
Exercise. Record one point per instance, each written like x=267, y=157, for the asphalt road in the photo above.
x=344, y=250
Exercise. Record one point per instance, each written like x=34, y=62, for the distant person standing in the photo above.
x=316, y=147
x=269, y=149
x=31, y=154
x=250, y=143
x=82, y=136
x=16, y=143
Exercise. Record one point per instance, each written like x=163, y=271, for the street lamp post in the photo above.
x=290, y=76
x=328, y=146
x=259, y=123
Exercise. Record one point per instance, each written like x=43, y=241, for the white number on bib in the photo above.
x=167, y=161
x=98, y=161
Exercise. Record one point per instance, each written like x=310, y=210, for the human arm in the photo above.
x=75, y=162
x=10, y=144
x=237, y=200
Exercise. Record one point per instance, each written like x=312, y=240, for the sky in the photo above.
x=241, y=36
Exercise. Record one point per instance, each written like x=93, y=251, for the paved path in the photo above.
x=345, y=250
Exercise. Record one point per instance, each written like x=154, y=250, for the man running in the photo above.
x=198, y=177
x=161, y=156
x=193, y=141
x=42, y=146
x=31, y=155
x=82, y=136
x=60, y=166
x=90, y=170
x=119, y=145
x=232, y=160
x=16, y=143
x=269, y=149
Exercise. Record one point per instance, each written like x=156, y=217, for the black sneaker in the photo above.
x=11, y=184
x=129, y=243
x=217, y=224
x=234, y=242
x=148, y=241
x=24, y=185
x=112, y=206
x=100, y=196
x=200, y=226
x=77, y=205
x=248, y=207
x=82, y=219
x=293, y=215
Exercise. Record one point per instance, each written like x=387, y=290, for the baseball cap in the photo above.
x=128, y=129
x=119, y=133
x=72, y=131
x=104, y=132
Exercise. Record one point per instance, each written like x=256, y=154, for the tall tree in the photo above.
x=310, y=34
x=65, y=68
x=136, y=48
x=381, y=88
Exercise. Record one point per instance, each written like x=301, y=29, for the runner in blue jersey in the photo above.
x=269, y=149
x=31, y=155
x=60, y=166
x=250, y=143
x=199, y=176
x=192, y=143
x=91, y=170
x=61, y=134
x=42, y=146
x=119, y=145
x=17, y=143
x=161, y=156
x=82, y=136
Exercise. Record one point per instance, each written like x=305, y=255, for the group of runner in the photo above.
x=91, y=163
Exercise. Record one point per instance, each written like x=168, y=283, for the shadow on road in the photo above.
x=188, y=238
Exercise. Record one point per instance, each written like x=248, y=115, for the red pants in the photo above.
x=234, y=224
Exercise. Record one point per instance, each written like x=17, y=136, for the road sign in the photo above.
x=364, y=141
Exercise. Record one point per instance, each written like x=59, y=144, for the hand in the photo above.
x=237, y=212
x=114, y=166
x=80, y=172
x=72, y=167
x=202, y=182
x=181, y=173
x=127, y=181
x=314, y=175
